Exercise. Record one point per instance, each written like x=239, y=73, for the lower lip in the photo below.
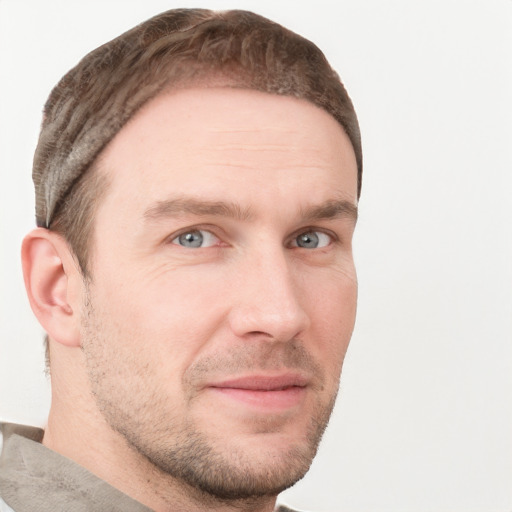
x=272, y=400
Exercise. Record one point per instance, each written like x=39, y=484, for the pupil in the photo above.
x=308, y=240
x=191, y=239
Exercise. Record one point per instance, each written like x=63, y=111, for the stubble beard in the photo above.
x=178, y=448
x=226, y=473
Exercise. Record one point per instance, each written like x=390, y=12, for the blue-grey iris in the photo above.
x=191, y=239
x=308, y=240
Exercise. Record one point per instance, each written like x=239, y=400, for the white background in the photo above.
x=424, y=420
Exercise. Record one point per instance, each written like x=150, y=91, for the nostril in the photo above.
x=270, y=325
x=260, y=333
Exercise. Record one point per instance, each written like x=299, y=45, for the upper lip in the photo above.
x=264, y=382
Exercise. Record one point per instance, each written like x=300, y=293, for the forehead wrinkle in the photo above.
x=258, y=147
x=175, y=207
x=255, y=138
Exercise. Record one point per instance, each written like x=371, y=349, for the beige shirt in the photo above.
x=35, y=478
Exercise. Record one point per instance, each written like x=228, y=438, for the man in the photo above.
x=196, y=182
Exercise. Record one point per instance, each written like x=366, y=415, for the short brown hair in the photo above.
x=94, y=100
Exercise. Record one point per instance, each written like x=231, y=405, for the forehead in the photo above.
x=224, y=142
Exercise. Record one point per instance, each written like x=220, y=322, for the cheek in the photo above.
x=175, y=311
x=333, y=312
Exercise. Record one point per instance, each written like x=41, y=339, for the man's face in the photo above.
x=223, y=291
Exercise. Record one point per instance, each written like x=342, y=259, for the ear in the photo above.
x=54, y=285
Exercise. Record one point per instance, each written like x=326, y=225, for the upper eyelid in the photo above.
x=310, y=229
x=222, y=235
x=199, y=227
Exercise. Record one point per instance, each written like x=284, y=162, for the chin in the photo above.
x=247, y=467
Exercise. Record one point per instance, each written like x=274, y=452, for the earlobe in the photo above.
x=52, y=281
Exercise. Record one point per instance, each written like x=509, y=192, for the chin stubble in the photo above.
x=176, y=446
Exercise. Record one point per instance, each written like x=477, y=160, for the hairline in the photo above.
x=206, y=79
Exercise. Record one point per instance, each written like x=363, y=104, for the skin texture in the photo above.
x=202, y=377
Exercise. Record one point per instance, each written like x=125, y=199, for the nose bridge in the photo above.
x=268, y=299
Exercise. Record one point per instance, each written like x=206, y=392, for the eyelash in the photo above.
x=207, y=229
x=291, y=243
x=304, y=233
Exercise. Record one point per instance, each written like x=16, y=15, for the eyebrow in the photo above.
x=198, y=207
x=332, y=209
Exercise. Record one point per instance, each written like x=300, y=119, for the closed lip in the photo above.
x=263, y=382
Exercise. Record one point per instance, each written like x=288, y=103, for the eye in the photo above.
x=195, y=238
x=312, y=240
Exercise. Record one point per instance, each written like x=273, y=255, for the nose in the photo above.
x=268, y=301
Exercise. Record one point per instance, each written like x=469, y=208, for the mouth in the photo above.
x=278, y=392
